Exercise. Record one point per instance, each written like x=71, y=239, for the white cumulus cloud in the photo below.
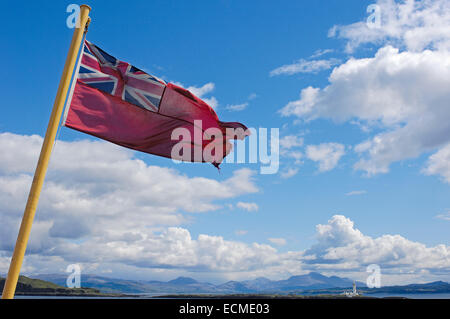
x=277, y=241
x=97, y=189
x=359, y=192
x=250, y=207
x=305, y=66
x=404, y=92
x=326, y=154
x=237, y=107
x=414, y=24
x=439, y=163
x=290, y=172
x=341, y=245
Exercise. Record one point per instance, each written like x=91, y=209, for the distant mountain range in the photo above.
x=311, y=281
x=310, y=284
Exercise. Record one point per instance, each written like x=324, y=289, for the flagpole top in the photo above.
x=86, y=6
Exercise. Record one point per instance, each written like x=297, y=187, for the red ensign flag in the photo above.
x=118, y=102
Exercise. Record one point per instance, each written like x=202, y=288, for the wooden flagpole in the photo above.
x=44, y=157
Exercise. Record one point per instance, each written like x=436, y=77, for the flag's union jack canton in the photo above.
x=102, y=71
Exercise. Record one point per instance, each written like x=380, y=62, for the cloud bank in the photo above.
x=401, y=92
x=105, y=209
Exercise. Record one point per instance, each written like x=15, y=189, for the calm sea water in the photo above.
x=143, y=296
x=413, y=296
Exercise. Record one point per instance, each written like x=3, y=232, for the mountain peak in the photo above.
x=183, y=281
x=316, y=275
x=311, y=275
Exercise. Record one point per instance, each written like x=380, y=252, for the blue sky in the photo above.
x=236, y=46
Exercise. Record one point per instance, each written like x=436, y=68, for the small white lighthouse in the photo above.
x=352, y=293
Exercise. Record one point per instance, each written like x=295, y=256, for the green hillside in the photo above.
x=29, y=286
